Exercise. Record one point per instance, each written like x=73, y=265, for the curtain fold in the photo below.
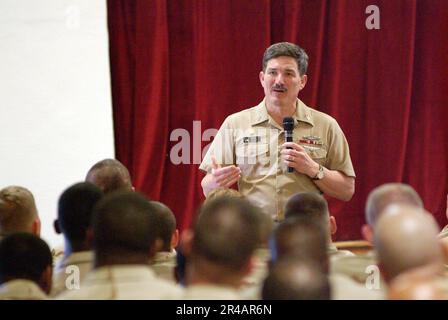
x=182, y=66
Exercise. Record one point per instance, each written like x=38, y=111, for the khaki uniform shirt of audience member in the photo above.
x=358, y=267
x=21, y=289
x=123, y=282
x=211, y=292
x=72, y=268
x=251, y=139
x=163, y=265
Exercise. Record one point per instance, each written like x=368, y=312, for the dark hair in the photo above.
x=75, y=209
x=300, y=238
x=289, y=50
x=296, y=279
x=124, y=222
x=166, y=224
x=308, y=206
x=227, y=232
x=23, y=256
x=110, y=175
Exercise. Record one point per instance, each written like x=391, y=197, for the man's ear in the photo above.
x=304, y=80
x=367, y=233
x=175, y=239
x=156, y=247
x=186, y=242
x=261, y=76
x=35, y=228
x=56, y=226
x=333, y=225
x=45, y=281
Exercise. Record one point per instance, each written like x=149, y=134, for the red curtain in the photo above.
x=178, y=61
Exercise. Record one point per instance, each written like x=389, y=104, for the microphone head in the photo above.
x=288, y=123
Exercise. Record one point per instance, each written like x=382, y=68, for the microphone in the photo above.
x=288, y=127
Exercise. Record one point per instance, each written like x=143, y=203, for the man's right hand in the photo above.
x=220, y=177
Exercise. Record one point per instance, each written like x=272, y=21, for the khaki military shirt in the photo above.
x=123, y=282
x=163, y=265
x=251, y=139
x=72, y=268
x=210, y=291
x=21, y=289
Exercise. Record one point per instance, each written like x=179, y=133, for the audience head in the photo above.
x=226, y=234
x=125, y=229
x=296, y=279
x=26, y=256
x=384, y=195
x=312, y=207
x=416, y=290
x=406, y=238
x=167, y=226
x=75, y=208
x=110, y=175
x=18, y=212
x=302, y=239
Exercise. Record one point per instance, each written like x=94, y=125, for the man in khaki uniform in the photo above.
x=250, y=146
x=75, y=207
x=18, y=211
x=219, y=251
x=405, y=239
x=125, y=238
x=25, y=267
x=313, y=207
x=164, y=261
x=357, y=267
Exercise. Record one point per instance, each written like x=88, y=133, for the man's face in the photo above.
x=282, y=81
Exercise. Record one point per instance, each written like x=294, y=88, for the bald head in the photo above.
x=18, y=212
x=296, y=279
x=389, y=193
x=418, y=284
x=110, y=175
x=406, y=238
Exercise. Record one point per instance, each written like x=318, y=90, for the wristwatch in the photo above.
x=320, y=174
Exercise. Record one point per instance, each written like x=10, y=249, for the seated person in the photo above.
x=25, y=267
x=18, y=212
x=75, y=209
x=164, y=261
x=110, y=175
x=219, y=250
x=314, y=207
x=296, y=279
x=125, y=239
x=379, y=198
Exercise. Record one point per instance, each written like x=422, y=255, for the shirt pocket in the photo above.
x=319, y=155
x=253, y=158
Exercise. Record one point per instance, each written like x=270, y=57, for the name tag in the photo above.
x=251, y=139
